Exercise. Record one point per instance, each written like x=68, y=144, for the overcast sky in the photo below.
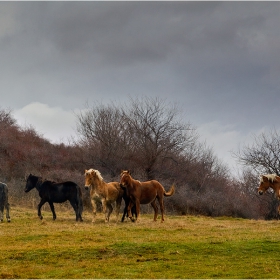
x=220, y=61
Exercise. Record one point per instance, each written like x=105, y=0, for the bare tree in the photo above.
x=142, y=135
x=103, y=135
x=157, y=133
x=263, y=156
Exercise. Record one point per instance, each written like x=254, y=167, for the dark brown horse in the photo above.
x=144, y=193
x=270, y=181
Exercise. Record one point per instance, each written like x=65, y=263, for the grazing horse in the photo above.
x=144, y=193
x=103, y=192
x=52, y=192
x=270, y=181
x=4, y=202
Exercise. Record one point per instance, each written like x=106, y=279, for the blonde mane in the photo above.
x=97, y=173
x=270, y=177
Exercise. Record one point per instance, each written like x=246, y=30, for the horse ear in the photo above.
x=265, y=179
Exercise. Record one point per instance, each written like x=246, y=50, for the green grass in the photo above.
x=181, y=247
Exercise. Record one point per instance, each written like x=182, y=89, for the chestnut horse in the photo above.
x=270, y=181
x=144, y=193
x=106, y=193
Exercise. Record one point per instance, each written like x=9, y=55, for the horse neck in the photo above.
x=132, y=183
x=98, y=185
x=276, y=186
x=39, y=183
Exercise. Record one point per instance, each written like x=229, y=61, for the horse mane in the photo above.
x=270, y=177
x=97, y=173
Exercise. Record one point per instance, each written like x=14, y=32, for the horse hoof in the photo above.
x=9, y=220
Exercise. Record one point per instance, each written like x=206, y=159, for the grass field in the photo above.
x=181, y=247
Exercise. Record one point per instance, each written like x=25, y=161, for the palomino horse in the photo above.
x=270, y=181
x=106, y=193
x=144, y=193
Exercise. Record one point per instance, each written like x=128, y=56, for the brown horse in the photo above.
x=144, y=193
x=106, y=193
x=270, y=181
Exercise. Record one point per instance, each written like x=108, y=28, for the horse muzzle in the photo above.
x=260, y=192
x=86, y=187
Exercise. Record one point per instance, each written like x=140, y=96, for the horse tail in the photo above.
x=170, y=192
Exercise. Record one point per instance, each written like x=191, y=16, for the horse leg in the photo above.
x=110, y=210
x=75, y=206
x=133, y=211
x=1, y=213
x=80, y=207
x=7, y=206
x=52, y=208
x=118, y=206
x=124, y=212
x=93, y=204
x=130, y=205
x=161, y=208
x=104, y=209
x=154, y=205
x=42, y=202
x=136, y=206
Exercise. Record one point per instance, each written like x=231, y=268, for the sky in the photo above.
x=218, y=60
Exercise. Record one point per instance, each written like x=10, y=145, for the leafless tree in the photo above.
x=263, y=156
x=141, y=135
x=157, y=133
x=102, y=131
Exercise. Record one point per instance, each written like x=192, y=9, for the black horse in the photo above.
x=126, y=199
x=52, y=192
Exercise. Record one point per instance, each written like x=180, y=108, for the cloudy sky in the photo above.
x=220, y=61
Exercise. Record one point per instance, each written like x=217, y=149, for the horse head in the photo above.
x=266, y=181
x=31, y=182
x=88, y=175
x=125, y=178
x=91, y=176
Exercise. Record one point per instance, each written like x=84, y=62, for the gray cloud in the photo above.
x=218, y=60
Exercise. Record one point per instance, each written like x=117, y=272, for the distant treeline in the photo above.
x=146, y=136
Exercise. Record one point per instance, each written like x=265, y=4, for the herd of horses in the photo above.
x=133, y=192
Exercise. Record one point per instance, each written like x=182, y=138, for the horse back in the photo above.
x=114, y=191
x=150, y=190
x=59, y=192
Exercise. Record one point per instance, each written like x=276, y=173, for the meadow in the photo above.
x=181, y=247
